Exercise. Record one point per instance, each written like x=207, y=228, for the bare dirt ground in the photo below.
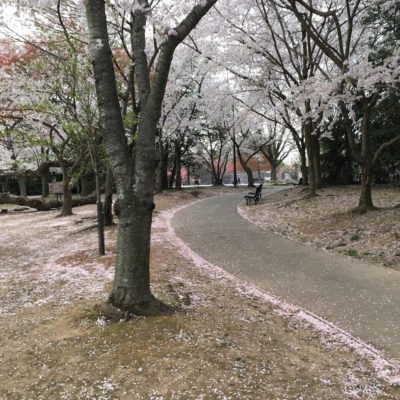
x=328, y=221
x=223, y=342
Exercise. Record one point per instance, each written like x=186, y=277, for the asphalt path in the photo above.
x=360, y=298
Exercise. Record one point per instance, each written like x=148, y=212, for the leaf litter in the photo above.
x=225, y=341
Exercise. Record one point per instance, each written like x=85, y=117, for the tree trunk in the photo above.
x=303, y=165
x=178, y=184
x=363, y=157
x=45, y=185
x=84, y=186
x=159, y=170
x=4, y=185
x=188, y=175
x=365, y=203
x=100, y=217
x=249, y=173
x=22, y=186
x=316, y=161
x=66, y=209
x=108, y=216
x=164, y=163
x=131, y=289
x=274, y=176
x=172, y=176
x=311, y=170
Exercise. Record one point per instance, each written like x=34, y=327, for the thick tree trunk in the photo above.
x=40, y=204
x=131, y=289
x=274, y=176
x=361, y=156
x=108, y=216
x=249, y=173
x=316, y=161
x=45, y=185
x=303, y=164
x=365, y=203
x=218, y=181
x=66, y=208
x=22, y=186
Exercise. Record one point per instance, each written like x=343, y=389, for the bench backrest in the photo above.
x=258, y=190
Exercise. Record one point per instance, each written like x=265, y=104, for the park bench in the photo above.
x=255, y=196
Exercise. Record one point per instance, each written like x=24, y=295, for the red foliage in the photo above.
x=11, y=54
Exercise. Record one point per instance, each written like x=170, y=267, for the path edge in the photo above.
x=385, y=368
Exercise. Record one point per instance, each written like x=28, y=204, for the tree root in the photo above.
x=146, y=306
x=310, y=196
x=361, y=210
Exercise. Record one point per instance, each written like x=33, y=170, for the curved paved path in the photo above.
x=359, y=298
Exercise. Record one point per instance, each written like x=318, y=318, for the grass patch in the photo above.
x=355, y=237
x=352, y=253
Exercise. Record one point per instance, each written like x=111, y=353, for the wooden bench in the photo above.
x=255, y=196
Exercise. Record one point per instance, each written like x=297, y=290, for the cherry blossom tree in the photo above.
x=131, y=289
x=356, y=82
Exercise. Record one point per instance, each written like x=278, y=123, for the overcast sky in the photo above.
x=9, y=17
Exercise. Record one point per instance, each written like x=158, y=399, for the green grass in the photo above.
x=352, y=253
x=355, y=237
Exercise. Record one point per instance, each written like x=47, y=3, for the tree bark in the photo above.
x=188, y=175
x=100, y=217
x=45, y=185
x=274, y=176
x=365, y=202
x=66, y=209
x=243, y=163
x=131, y=288
x=249, y=173
x=173, y=174
x=22, y=186
x=361, y=156
x=303, y=167
x=159, y=187
x=308, y=140
x=4, y=185
x=108, y=216
x=164, y=166
x=316, y=161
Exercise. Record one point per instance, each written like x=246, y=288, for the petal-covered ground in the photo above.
x=223, y=342
x=328, y=221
